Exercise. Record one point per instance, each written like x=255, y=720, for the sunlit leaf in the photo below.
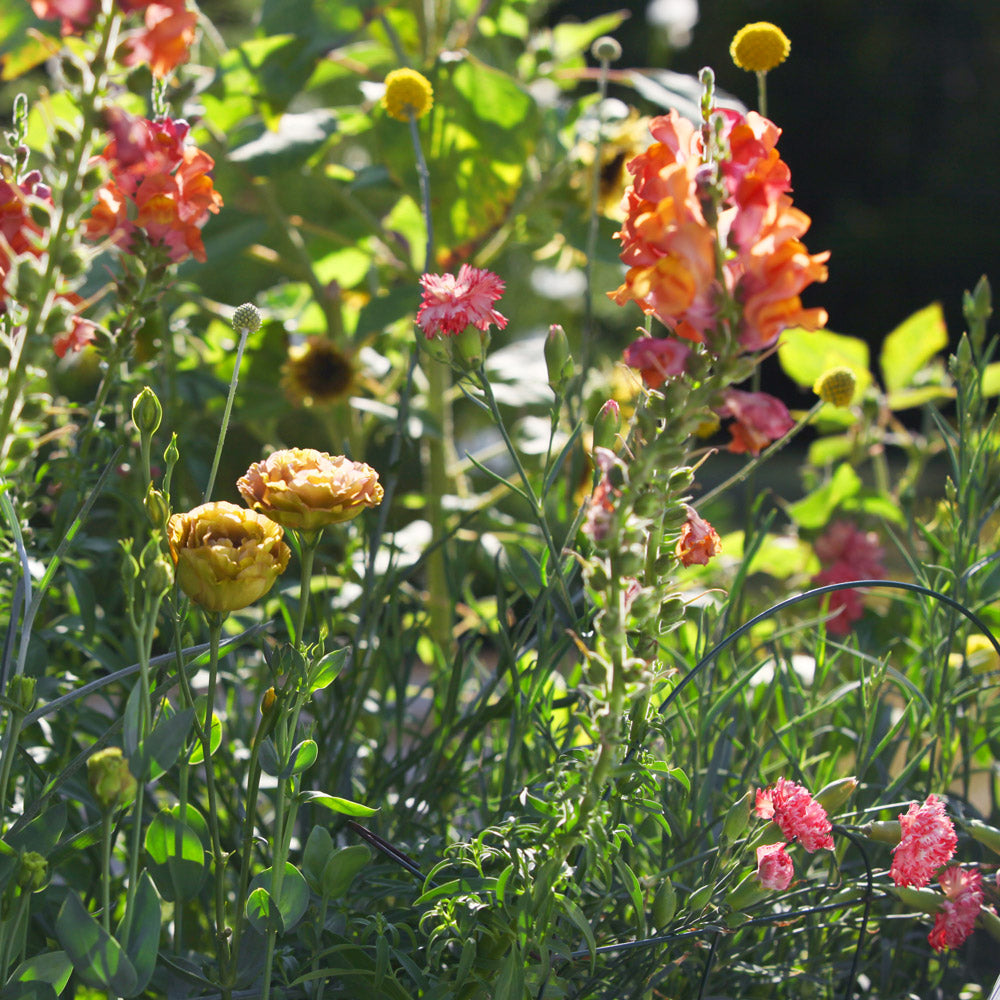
x=337, y=804
x=911, y=345
x=814, y=511
x=177, y=857
x=805, y=355
x=96, y=956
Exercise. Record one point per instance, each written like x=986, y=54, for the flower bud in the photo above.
x=747, y=893
x=267, y=702
x=471, y=346
x=247, y=317
x=157, y=508
x=738, y=817
x=664, y=904
x=989, y=836
x=146, y=412
x=32, y=870
x=110, y=779
x=832, y=796
x=606, y=49
x=884, y=831
x=699, y=899
x=607, y=424
x=558, y=361
x=21, y=692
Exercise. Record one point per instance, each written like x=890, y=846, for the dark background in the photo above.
x=891, y=119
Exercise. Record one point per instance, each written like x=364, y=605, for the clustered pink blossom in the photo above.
x=159, y=184
x=928, y=841
x=956, y=919
x=657, y=359
x=450, y=303
x=162, y=43
x=670, y=247
x=698, y=541
x=797, y=813
x=774, y=867
x=758, y=420
x=847, y=554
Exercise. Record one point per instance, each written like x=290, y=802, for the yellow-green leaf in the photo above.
x=805, y=355
x=912, y=344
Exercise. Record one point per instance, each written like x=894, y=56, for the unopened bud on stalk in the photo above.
x=157, y=508
x=267, y=702
x=21, y=692
x=247, y=317
x=884, y=831
x=110, y=779
x=607, y=424
x=146, y=412
x=32, y=870
x=832, y=796
x=664, y=904
x=738, y=817
x=558, y=361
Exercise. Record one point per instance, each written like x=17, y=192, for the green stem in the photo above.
x=11, y=737
x=762, y=92
x=13, y=930
x=244, y=332
x=308, y=543
x=106, y=869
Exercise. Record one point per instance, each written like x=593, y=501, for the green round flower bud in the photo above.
x=110, y=779
x=606, y=49
x=157, y=508
x=607, y=424
x=664, y=904
x=558, y=361
x=32, y=870
x=146, y=412
x=247, y=317
x=21, y=692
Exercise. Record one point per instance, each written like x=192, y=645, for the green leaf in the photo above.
x=29, y=991
x=157, y=753
x=991, y=379
x=340, y=870
x=906, y=399
x=297, y=137
x=42, y=833
x=583, y=924
x=337, y=804
x=23, y=46
x=326, y=671
x=302, y=758
x=291, y=903
x=142, y=940
x=51, y=968
x=911, y=345
x=214, y=739
x=268, y=758
x=827, y=450
x=177, y=857
x=805, y=355
x=814, y=510
x=262, y=913
x=318, y=850
x=96, y=956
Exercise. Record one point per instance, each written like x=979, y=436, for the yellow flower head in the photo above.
x=317, y=373
x=407, y=93
x=306, y=489
x=759, y=47
x=836, y=386
x=227, y=557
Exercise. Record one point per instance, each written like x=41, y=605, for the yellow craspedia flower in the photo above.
x=407, y=93
x=836, y=386
x=759, y=47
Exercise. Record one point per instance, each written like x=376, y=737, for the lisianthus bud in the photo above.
x=247, y=317
x=21, y=692
x=157, y=508
x=32, y=870
x=110, y=779
x=146, y=412
x=267, y=702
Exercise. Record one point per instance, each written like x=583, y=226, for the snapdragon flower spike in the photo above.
x=799, y=816
x=699, y=541
x=657, y=359
x=759, y=419
x=928, y=841
x=453, y=302
x=670, y=247
x=957, y=917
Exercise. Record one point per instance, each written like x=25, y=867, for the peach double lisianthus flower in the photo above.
x=226, y=557
x=306, y=489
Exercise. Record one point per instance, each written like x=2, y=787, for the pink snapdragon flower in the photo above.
x=957, y=917
x=759, y=419
x=850, y=554
x=451, y=302
x=657, y=358
x=927, y=843
x=774, y=867
x=797, y=813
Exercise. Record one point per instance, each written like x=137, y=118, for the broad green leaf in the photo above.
x=326, y=671
x=876, y=505
x=262, y=913
x=214, y=739
x=292, y=898
x=96, y=956
x=991, y=379
x=583, y=924
x=42, y=833
x=780, y=556
x=340, y=870
x=337, y=804
x=911, y=345
x=23, y=45
x=814, y=511
x=574, y=38
x=807, y=354
x=827, y=450
x=296, y=138
x=906, y=399
x=157, y=753
x=142, y=940
x=302, y=758
x=29, y=991
x=50, y=968
x=318, y=851
x=177, y=857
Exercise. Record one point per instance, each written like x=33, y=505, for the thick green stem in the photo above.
x=244, y=333
x=106, y=827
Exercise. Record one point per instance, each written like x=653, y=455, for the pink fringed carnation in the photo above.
x=957, y=917
x=847, y=554
x=774, y=867
x=797, y=813
x=927, y=843
x=451, y=303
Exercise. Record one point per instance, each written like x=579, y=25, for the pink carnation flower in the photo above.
x=774, y=867
x=451, y=303
x=957, y=917
x=797, y=813
x=928, y=842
